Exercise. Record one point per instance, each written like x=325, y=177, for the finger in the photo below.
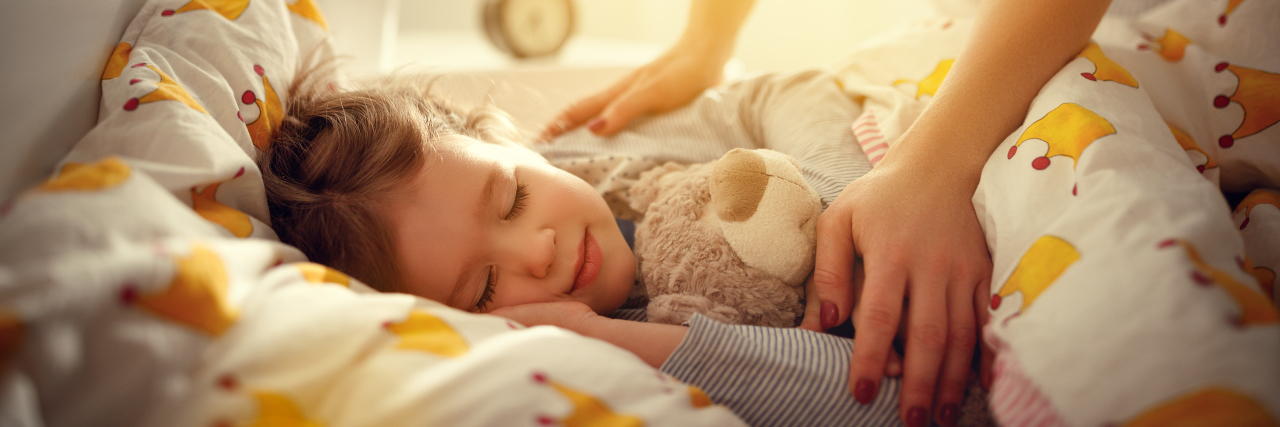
x=980, y=300
x=623, y=109
x=584, y=109
x=556, y=128
x=811, y=308
x=957, y=364
x=879, y=309
x=926, y=345
x=834, y=267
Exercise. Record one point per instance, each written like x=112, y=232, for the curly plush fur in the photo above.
x=688, y=266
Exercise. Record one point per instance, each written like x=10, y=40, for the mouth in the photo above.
x=588, y=265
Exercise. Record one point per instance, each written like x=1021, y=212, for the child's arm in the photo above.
x=767, y=376
x=653, y=342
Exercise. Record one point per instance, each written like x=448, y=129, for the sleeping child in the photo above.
x=409, y=194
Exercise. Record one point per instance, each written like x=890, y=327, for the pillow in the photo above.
x=148, y=289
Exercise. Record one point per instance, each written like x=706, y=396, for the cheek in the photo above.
x=565, y=188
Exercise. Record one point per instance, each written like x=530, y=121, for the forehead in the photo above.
x=476, y=152
x=433, y=217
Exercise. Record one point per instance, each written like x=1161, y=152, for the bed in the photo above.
x=141, y=285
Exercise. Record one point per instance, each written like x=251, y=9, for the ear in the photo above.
x=651, y=184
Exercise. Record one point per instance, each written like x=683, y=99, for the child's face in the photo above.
x=485, y=226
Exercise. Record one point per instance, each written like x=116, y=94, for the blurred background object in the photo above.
x=528, y=28
x=609, y=38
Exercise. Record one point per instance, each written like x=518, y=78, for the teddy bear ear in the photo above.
x=650, y=184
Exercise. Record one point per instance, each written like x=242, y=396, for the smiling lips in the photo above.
x=588, y=268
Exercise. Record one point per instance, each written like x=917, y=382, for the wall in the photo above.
x=779, y=35
x=52, y=77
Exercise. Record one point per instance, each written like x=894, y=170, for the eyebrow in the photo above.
x=486, y=195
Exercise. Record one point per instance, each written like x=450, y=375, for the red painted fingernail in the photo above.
x=864, y=391
x=829, y=315
x=596, y=125
x=950, y=414
x=917, y=417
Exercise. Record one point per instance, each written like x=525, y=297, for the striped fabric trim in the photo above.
x=1014, y=400
x=778, y=376
x=867, y=131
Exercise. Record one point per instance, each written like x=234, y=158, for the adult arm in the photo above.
x=912, y=221
x=694, y=63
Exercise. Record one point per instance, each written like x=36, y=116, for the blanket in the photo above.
x=141, y=284
x=1124, y=290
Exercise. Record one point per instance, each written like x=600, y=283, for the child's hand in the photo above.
x=571, y=315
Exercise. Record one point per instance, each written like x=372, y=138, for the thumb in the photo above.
x=833, y=267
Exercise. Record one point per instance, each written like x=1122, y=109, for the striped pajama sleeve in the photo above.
x=778, y=376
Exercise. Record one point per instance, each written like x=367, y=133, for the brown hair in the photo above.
x=338, y=154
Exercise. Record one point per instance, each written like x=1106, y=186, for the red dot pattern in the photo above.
x=1040, y=163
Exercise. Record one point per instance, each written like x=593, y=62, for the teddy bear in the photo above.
x=732, y=239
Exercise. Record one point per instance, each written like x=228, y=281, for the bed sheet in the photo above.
x=1124, y=289
x=141, y=284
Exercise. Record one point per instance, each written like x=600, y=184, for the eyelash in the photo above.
x=487, y=295
x=518, y=206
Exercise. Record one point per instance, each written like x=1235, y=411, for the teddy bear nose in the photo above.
x=760, y=196
x=741, y=178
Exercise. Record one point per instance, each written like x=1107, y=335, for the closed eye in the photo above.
x=518, y=206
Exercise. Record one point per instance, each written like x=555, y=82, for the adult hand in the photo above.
x=813, y=315
x=571, y=315
x=927, y=270
x=669, y=81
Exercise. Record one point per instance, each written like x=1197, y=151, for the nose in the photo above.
x=531, y=252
